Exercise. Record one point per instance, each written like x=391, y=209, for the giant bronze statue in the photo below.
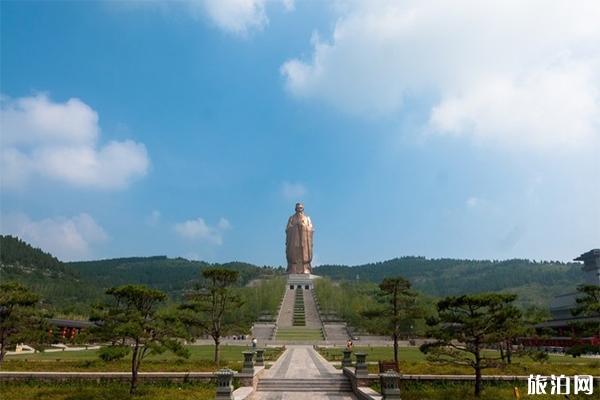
x=299, y=242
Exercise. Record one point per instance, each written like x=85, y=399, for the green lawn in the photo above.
x=197, y=391
x=299, y=333
x=104, y=391
x=87, y=360
x=412, y=361
x=464, y=391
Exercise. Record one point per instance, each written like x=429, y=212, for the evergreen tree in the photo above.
x=20, y=320
x=465, y=326
x=208, y=308
x=397, y=309
x=132, y=320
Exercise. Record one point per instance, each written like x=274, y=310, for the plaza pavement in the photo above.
x=302, y=362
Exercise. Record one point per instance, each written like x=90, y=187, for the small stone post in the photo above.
x=248, y=367
x=390, y=385
x=347, y=360
x=224, y=384
x=361, y=364
x=260, y=361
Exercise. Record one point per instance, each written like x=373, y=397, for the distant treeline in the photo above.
x=535, y=282
x=71, y=287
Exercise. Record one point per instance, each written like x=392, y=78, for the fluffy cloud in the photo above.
x=59, y=141
x=66, y=238
x=524, y=74
x=473, y=202
x=198, y=229
x=293, y=190
x=153, y=218
x=237, y=16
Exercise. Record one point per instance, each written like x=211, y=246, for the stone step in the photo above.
x=304, y=385
x=304, y=380
x=305, y=388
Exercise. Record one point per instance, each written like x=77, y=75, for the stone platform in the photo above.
x=302, y=373
x=305, y=281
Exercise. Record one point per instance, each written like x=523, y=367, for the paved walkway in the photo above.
x=302, y=362
x=287, y=309
x=310, y=309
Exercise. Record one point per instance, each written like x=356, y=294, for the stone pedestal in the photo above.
x=260, y=361
x=248, y=367
x=303, y=281
x=390, y=385
x=361, y=365
x=347, y=360
x=224, y=384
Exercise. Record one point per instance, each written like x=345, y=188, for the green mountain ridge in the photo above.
x=536, y=282
x=73, y=286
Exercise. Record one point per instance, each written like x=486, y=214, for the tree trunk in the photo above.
x=509, y=351
x=395, y=336
x=477, y=373
x=2, y=348
x=217, y=343
x=134, y=369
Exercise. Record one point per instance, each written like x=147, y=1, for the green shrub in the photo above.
x=113, y=353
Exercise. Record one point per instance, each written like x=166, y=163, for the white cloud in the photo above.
x=237, y=16
x=518, y=74
x=153, y=218
x=58, y=141
x=66, y=238
x=473, y=202
x=223, y=224
x=293, y=190
x=198, y=229
x=289, y=5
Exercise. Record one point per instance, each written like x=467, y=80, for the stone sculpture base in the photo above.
x=305, y=281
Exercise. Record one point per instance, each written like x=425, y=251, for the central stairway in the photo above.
x=303, y=373
x=328, y=385
x=299, y=318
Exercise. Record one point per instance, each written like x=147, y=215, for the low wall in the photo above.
x=106, y=376
x=244, y=379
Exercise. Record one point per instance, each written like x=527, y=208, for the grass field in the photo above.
x=464, y=391
x=412, y=361
x=104, y=391
x=299, y=333
x=189, y=391
x=87, y=360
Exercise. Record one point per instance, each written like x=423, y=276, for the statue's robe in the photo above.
x=299, y=244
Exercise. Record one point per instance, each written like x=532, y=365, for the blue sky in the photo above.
x=191, y=128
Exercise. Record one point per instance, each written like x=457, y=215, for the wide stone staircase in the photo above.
x=298, y=318
x=263, y=331
x=336, y=331
x=330, y=385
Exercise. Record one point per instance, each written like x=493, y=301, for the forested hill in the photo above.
x=70, y=288
x=171, y=275
x=73, y=286
x=18, y=255
x=534, y=282
x=60, y=287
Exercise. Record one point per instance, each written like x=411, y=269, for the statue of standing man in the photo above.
x=299, y=242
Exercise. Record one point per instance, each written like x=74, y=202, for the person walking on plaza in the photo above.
x=254, y=343
x=349, y=345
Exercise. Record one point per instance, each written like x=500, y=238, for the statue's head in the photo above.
x=299, y=208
